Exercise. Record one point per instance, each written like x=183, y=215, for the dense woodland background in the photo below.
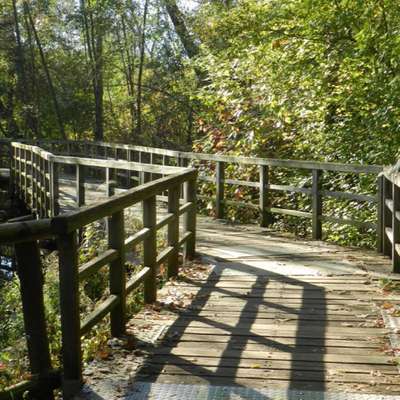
x=312, y=79
x=300, y=79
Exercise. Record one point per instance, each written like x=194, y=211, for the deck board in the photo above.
x=259, y=328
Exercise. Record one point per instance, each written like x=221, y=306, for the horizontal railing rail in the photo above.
x=65, y=229
x=316, y=191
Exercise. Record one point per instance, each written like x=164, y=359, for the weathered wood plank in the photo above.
x=275, y=355
x=150, y=249
x=31, y=287
x=137, y=279
x=99, y=313
x=70, y=318
x=270, y=364
x=116, y=241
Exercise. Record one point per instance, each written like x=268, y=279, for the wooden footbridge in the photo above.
x=271, y=317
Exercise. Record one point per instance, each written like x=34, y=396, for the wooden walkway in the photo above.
x=257, y=311
x=264, y=310
x=276, y=312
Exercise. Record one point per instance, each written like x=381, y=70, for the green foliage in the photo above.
x=312, y=80
x=13, y=353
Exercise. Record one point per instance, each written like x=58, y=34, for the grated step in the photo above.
x=161, y=391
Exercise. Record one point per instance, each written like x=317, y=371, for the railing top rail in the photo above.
x=274, y=162
x=85, y=215
x=98, y=162
x=35, y=149
x=285, y=163
x=44, y=228
x=117, y=164
x=18, y=232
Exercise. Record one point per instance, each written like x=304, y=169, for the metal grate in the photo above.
x=159, y=391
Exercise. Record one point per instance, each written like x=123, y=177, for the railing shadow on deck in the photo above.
x=227, y=366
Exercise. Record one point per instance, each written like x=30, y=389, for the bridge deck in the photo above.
x=262, y=310
x=274, y=312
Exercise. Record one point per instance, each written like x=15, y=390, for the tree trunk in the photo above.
x=140, y=73
x=127, y=60
x=178, y=19
x=99, y=89
x=20, y=66
x=93, y=33
x=189, y=44
x=47, y=72
x=33, y=85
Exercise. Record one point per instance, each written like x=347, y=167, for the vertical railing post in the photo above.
x=25, y=176
x=387, y=217
x=47, y=196
x=219, y=182
x=173, y=230
x=150, y=249
x=130, y=174
x=19, y=173
x=141, y=174
x=395, y=228
x=151, y=161
x=116, y=240
x=54, y=188
x=70, y=318
x=37, y=184
x=189, y=218
x=33, y=181
x=147, y=176
x=12, y=172
x=29, y=178
x=379, y=212
x=30, y=275
x=80, y=185
x=265, y=218
x=42, y=178
x=316, y=204
x=110, y=183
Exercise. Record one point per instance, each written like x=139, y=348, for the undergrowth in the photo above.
x=14, y=365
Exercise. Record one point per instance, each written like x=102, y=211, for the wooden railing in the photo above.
x=35, y=179
x=35, y=175
x=389, y=185
x=315, y=190
x=64, y=230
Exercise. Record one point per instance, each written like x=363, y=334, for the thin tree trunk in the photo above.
x=99, y=88
x=94, y=42
x=123, y=47
x=33, y=86
x=20, y=67
x=140, y=73
x=178, y=19
x=47, y=72
x=129, y=72
x=191, y=47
